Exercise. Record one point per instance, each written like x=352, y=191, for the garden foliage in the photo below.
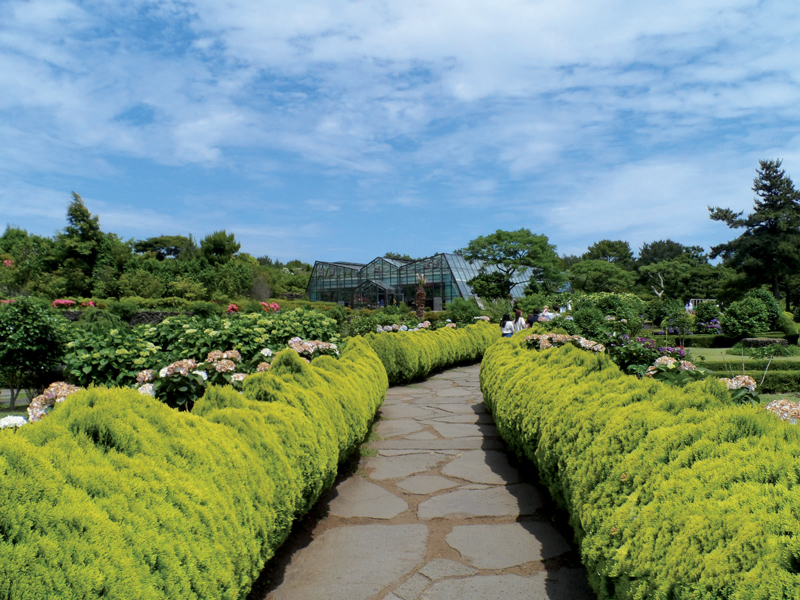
x=408, y=355
x=672, y=492
x=115, y=495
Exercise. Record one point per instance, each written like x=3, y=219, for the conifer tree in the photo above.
x=768, y=251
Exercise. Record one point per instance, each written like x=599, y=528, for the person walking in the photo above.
x=533, y=317
x=507, y=325
x=519, y=321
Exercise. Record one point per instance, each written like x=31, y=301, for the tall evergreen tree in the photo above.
x=768, y=251
x=78, y=246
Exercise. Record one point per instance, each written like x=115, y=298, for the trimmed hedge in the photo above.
x=735, y=365
x=705, y=340
x=410, y=355
x=673, y=493
x=117, y=496
x=775, y=382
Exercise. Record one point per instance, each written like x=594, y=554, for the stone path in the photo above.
x=438, y=513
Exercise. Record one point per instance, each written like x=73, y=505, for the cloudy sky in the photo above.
x=343, y=130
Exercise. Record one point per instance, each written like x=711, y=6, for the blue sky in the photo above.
x=343, y=130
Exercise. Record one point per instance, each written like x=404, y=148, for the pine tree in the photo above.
x=768, y=252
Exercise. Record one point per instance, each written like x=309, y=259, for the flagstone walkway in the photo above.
x=438, y=513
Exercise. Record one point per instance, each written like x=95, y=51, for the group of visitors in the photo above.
x=511, y=326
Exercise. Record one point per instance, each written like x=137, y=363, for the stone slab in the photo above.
x=406, y=411
x=506, y=545
x=459, y=430
x=412, y=587
x=425, y=484
x=455, y=392
x=353, y=563
x=393, y=467
x=465, y=418
x=436, y=384
x=485, y=587
x=393, y=427
x=357, y=497
x=440, y=568
x=422, y=435
x=504, y=501
x=563, y=584
x=406, y=452
x=480, y=466
x=470, y=443
x=473, y=408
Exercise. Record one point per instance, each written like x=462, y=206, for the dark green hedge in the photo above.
x=116, y=496
x=750, y=365
x=775, y=382
x=410, y=355
x=672, y=492
x=703, y=340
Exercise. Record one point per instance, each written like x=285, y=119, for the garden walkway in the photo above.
x=438, y=513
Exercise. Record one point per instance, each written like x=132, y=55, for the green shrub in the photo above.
x=745, y=317
x=671, y=492
x=773, y=308
x=463, y=311
x=124, y=308
x=785, y=323
x=706, y=311
x=658, y=310
x=32, y=338
x=362, y=324
x=116, y=496
x=591, y=321
x=96, y=317
x=206, y=310
x=410, y=355
x=110, y=357
x=618, y=305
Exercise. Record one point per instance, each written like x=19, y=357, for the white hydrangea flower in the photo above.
x=147, y=390
x=163, y=372
x=12, y=421
x=266, y=352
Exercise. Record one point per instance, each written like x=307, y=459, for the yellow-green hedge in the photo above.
x=117, y=496
x=672, y=492
x=410, y=355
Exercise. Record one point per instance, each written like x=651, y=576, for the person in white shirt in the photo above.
x=519, y=321
x=507, y=325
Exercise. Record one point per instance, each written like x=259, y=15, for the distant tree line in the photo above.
x=84, y=261
x=767, y=253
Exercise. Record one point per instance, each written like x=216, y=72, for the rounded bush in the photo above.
x=745, y=317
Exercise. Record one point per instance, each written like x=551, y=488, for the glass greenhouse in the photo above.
x=386, y=281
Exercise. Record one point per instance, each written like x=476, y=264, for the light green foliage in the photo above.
x=362, y=324
x=409, y=355
x=673, y=493
x=745, y=317
x=110, y=356
x=773, y=308
x=116, y=496
x=785, y=323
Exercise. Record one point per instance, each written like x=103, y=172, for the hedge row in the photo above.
x=672, y=492
x=775, y=382
x=759, y=365
x=408, y=355
x=704, y=340
x=117, y=496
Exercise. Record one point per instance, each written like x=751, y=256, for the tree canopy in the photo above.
x=600, y=276
x=512, y=251
x=613, y=251
x=768, y=252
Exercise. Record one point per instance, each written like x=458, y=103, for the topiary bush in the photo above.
x=463, y=311
x=408, y=355
x=745, y=317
